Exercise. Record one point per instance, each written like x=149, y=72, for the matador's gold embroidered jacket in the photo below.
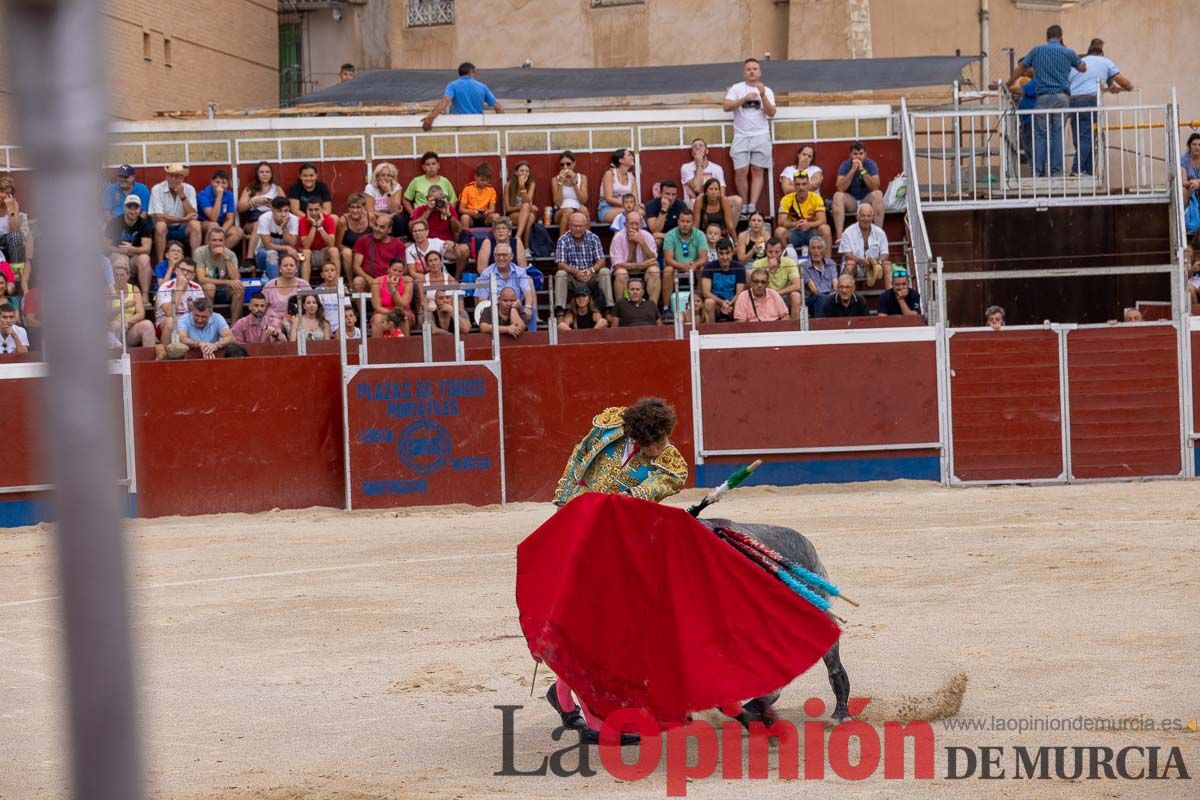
x=595, y=465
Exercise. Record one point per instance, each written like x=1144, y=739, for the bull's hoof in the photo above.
x=756, y=711
x=840, y=714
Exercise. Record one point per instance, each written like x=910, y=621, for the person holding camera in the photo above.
x=753, y=106
x=438, y=215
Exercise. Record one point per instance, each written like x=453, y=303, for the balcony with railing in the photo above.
x=1000, y=156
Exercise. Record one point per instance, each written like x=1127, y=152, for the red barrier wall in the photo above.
x=21, y=399
x=424, y=435
x=819, y=395
x=1005, y=404
x=1195, y=380
x=1124, y=392
x=245, y=434
x=552, y=393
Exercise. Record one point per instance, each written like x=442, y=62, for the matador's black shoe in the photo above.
x=589, y=736
x=570, y=719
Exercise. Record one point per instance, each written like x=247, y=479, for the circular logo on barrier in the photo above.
x=424, y=446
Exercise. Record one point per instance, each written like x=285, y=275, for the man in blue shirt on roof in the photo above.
x=463, y=95
x=1051, y=63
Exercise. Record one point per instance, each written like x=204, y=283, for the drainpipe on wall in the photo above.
x=984, y=44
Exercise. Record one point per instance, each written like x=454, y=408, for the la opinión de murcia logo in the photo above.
x=825, y=750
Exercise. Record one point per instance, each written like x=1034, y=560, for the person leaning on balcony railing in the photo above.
x=256, y=327
x=204, y=329
x=441, y=317
x=1052, y=62
x=1102, y=70
x=582, y=314
x=463, y=95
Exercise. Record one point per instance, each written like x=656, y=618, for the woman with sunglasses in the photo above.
x=570, y=191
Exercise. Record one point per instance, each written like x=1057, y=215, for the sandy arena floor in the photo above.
x=317, y=655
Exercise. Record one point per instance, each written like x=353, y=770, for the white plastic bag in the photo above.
x=895, y=199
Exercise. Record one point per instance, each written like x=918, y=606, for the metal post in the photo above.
x=362, y=330
x=945, y=423
x=427, y=325
x=342, y=354
x=957, y=133
x=458, y=345
x=1182, y=310
x=57, y=63
x=124, y=330
x=677, y=319
x=495, y=309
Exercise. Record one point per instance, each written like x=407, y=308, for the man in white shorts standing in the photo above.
x=753, y=105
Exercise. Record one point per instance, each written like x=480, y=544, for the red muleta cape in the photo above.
x=637, y=605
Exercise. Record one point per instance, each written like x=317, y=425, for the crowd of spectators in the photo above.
x=204, y=266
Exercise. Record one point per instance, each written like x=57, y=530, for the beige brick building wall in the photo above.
x=176, y=55
x=571, y=33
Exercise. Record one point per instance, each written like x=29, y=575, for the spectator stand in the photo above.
x=427, y=431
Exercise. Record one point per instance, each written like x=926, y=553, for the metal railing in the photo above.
x=918, y=235
x=1003, y=157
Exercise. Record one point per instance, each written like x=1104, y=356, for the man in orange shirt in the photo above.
x=477, y=201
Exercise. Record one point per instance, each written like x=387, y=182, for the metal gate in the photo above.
x=1065, y=403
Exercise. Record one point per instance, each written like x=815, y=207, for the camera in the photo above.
x=439, y=203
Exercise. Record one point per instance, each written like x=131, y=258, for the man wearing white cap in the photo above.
x=173, y=207
x=130, y=235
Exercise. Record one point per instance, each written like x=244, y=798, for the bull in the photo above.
x=795, y=546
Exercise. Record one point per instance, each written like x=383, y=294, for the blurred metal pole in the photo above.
x=57, y=74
